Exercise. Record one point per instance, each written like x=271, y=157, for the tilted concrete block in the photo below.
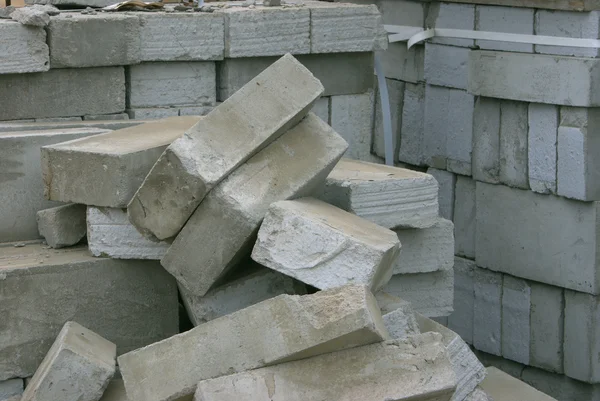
x=464, y=217
x=516, y=312
x=62, y=225
x=11, y=388
x=410, y=148
x=501, y=386
x=266, y=107
x=22, y=48
x=487, y=311
x=541, y=144
x=453, y=16
x=131, y=303
x=354, y=374
x=547, y=327
x=63, y=92
x=389, y=196
x=107, y=169
x=446, y=184
x=400, y=322
x=513, y=144
x=568, y=24
x=78, y=366
x=324, y=246
x=395, y=96
x=462, y=318
x=486, y=140
x=446, y=66
x=506, y=20
x=281, y=329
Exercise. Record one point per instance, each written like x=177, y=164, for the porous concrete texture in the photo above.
x=22, y=49
x=534, y=78
x=395, y=96
x=461, y=319
x=446, y=66
x=516, y=311
x=131, y=303
x=78, y=366
x=175, y=83
x=570, y=25
x=353, y=374
x=107, y=169
x=31, y=16
x=401, y=321
x=62, y=93
x=542, y=143
x=427, y=249
x=196, y=110
x=152, y=113
x=503, y=387
x=506, y=20
x=62, y=226
x=486, y=140
x=487, y=311
x=298, y=161
x=389, y=196
x=22, y=194
x=111, y=234
x=452, y=16
x=228, y=136
x=413, y=114
x=513, y=144
x=547, y=332
x=11, y=388
x=82, y=40
x=446, y=184
x=516, y=228
x=281, y=329
x=324, y=246
x=181, y=36
x=257, y=285
x=464, y=217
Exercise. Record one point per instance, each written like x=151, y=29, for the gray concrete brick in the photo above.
x=506, y=20
x=62, y=226
x=58, y=119
x=322, y=109
x=22, y=48
x=402, y=12
x=152, y=113
x=446, y=185
x=542, y=144
x=411, y=132
x=499, y=384
x=486, y=140
x=451, y=15
x=403, y=64
x=516, y=311
x=584, y=25
x=106, y=117
x=396, y=95
x=196, y=110
x=462, y=318
x=464, y=217
x=487, y=311
x=547, y=327
x=10, y=126
x=561, y=387
x=513, y=144
x=446, y=66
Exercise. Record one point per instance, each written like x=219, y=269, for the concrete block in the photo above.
x=107, y=169
x=324, y=246
x=506, y=20
x=513, y=144
x=63, y=92
x=486, y=140
x=534, y=78
x=411, y=133
x=10, y=388
x=165, y=84
x=353, y=374
x=403, y=64
x=116, y=391
x=63, y=225
x=266, y=107
x=516, y=228
x=446, y=185
x=389, y=196
x=10, y=126
x=301, y=159
x=454, y=16
x=501, y=386
x=478, y=395
x=542, y=143
x=396, y=95
x=83, y=40
x=22, y=48
x=403, y=12
x=431, y=294
x=560, y=387
x=106, y=117
x=567, y=24
x=76, y=3
x=22, y=194
x=111, y=234
x=461, y=320
x=516, y=326
x=58, y=119
x=400, y=322
x=181, y=36
x=266, y=31
x=78, y=366
x=446, y=66
x=321, y=109
x=512, y=368
x=196, y=110
x=152, y=113
x=131, y=303
x=427, y=249
x=281, y=329
x=464, y=217
x=546, y=335
x=487, y=311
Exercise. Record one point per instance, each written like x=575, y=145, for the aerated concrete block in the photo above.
x=106, y=117
x=542, y=143
x=486, y=140
x=181, y=36
x=567, y=24
x=63, y=225
x=401, y=321
x=22, y=48
x=266, y=107
x=516, y=326
x=78, y=366
x=427, y=249
x=281, y=329
x=446, y=184
x=395, y=96
x=58, y=119
x=411, y=133
x=403, y=64
x=353, y=374
x=487, y=311
x=107, y=169
x=513, y=145
x=534, y=78
x=506, y=20
x=516, y=228
x=324, y=246
x=547, y=327
x=453, y=16
x=152, y=113
x=63, y=92
x=464, y=217
x=581, y=337
x=461, y=319
x=299, y=160
x=131, y=303
x=560, y=387
x=389, y=196
x=11, y=388
x=446, y=66
x=500, y=385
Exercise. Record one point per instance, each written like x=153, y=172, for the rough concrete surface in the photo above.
x=31, y=16
x=547, y=327
x=401, y=321
x=542, y=142
x=487, y=311
x=446, y=184
x=453, y=16
x=11, y=388
x=411, y=132
x=22, y=49
x=503, y=387
x=504, y=19
x=486, y=140
x=513, y=144
x=62, y=226
x=461, y=319
x=516, y=325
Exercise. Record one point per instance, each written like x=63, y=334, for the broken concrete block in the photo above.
x=152, y=113
x=567, y=24
x=111, y=234
x=31, y=16
x=259, y=285
x=461, y=319
x=446, y=66
x=82, y=40
x=410, y=148
x=452, y=16
x=388, y=196
x=22, y=49
x=427, y=249
x=131, y=303
x=507, y=20
x=10, y=388
x=487, y=311
x=541, y=142
x=232, y=133
x=503, y=387
x=400, y=322
x=395, y=96
x=107, y=169
x=281, y=329
x=516, y=326
x=325, y=247
x=446, y=184
x=513, y=144
x=301, y=159
x=354, y=374
x=63, y=225
x=486, y=140
x=63, y=92
x=78, y=366
x=464, y=216
x=546, y=322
